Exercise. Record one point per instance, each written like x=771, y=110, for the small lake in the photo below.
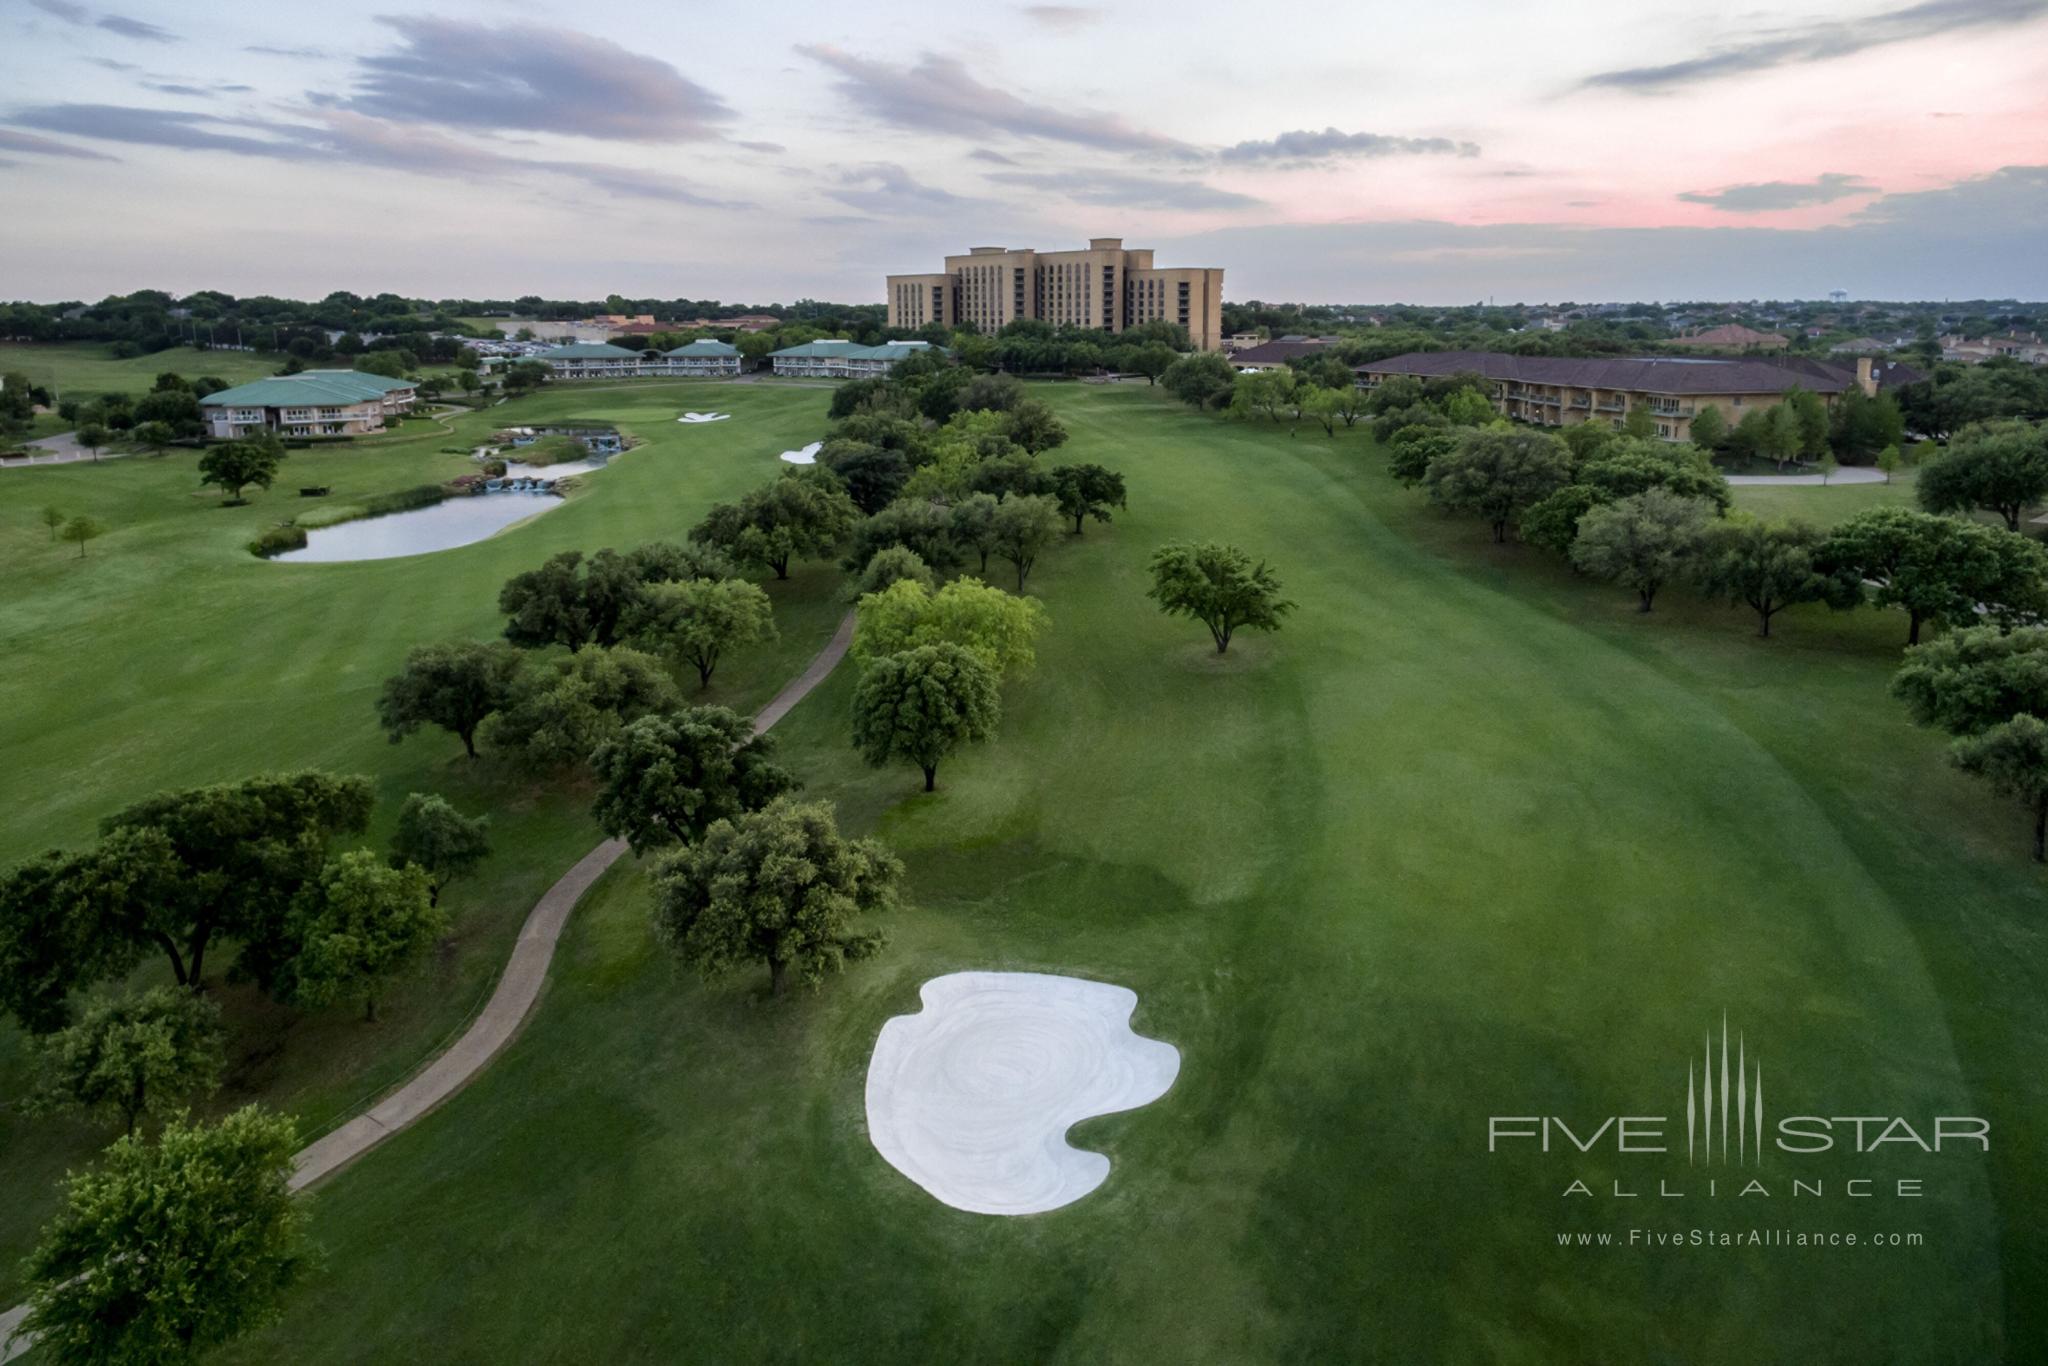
x=445, y=525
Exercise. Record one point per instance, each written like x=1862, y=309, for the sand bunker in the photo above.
x=704, y=417
x=972, y=1097
x=806, y=456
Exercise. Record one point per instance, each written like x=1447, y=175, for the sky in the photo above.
x=1452, y=152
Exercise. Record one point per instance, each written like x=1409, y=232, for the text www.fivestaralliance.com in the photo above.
x=1648, y=1240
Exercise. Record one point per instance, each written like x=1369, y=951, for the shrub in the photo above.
x=276, y=540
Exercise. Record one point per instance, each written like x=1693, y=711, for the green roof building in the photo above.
x=312, y=403
x=840, y=359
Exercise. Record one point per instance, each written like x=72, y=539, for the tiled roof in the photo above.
x=1277, y=352
x=588, y=351
x=313, y=387
x=1653, y=375
x=704, y=346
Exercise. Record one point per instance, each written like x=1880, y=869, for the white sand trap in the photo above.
x=704, y=417
x=972, y=1097
x=808, y=455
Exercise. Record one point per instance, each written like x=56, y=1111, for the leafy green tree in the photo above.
x=1999, y=466
x=923, y=704
x=915, y=524
x=890, y=565
x=560, y=713
x=1219, y=586
x=154, y=437
x=360, y=923
x=731, y=898
x=1709, y=429
x=92, y=436
x=698, y=620
x=1263, y=393
x=1972, y=679
x=873, y=475
x=170, y=1249
x=784, y=519
x=991, y=393
x=1889, y=461
x=1553, y=522
x=456, y=685
x=574, y=601
x=1087, y=491
x=1201, y=380
x=1495, y=474
x=1024, y=526
x=1033, y=425
x=1410, y=450
x=1809, y=415
x=1000, y=627
x=2012, y=756
x=439, y=840
x=131, y=1056
x=1862, y=426
x=70, y=919
x=1639, y=423
x=235, y=465
x=1769, y=568
x=391, y=363
x=82, y=529
x=1642, y=541
x=53, y=518
x=1014, y=474
x=1151, y=360
x=1322, y=404
x=227, y=859
x=972, y=522
x=667, y=777
x=1939, y=569
x=1626, y=466
x=1467, y=407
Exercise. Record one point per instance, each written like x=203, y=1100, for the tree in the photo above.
x=1322, y=405
x=1087, y=491
x=779, y=521
x=1023, y=526
x=439, y=840
x=1015, y=472
x=169, y=1249
x=667, y=777
x=778, y=886
x=391, y=363
x=1769, y=568
x=561, y=713
x=873, y=475
x=357, y=925
x=154, y=437
x=1032, y=424
x=1809, y=415
x=455, y=685
x=53, y=518
x=70, y=919
x=577, y=602
x=1000, y=627
x=698, y=620
x=972, y=521
x=1973, y=679
x=81, y=529
x=1709, y=429
x=92, y=436
x=1201, y=380
x=915, y=524
x=235, y=465
x=1263, y=393
x=1639, y=422
x=1939, y=569
x=1888, y=460
x=1862, y=426
x=1496, y=474
x=890, y=565
x=2013, y=757
x=1642, y=541
x=923, y=704
x=1151, y=360
x=1828, y=466
x=1626, y=466
x=1553, y=522
x=228, y=859
x=1219, y=586
x=1410, y=449
x=131, y=1056
x=2000, y=466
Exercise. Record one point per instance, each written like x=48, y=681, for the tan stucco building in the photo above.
x=1106, y=286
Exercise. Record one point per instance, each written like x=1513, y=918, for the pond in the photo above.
x=519, y=469
x=445, y=525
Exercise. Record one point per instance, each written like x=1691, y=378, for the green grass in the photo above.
x=170, y=656
x=78, y=369
x=1469, y=837
x=1824, y=505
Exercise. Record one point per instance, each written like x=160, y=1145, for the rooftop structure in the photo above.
x=1106, y=286
x=1734, y=337
x=1553, y=391
x=312, y=403
x=841, y=359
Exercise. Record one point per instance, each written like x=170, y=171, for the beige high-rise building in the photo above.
x=1105, y=287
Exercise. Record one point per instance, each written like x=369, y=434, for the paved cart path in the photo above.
x=518, y=988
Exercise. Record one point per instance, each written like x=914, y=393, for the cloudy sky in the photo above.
x=1459, y=150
